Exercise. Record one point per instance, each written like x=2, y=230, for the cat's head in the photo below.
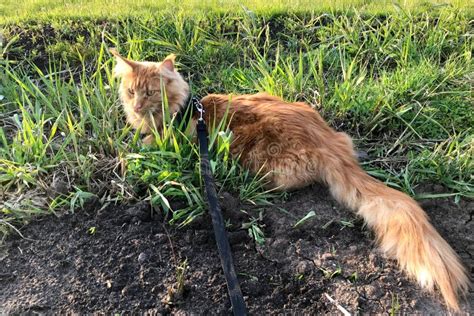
x=144, y=84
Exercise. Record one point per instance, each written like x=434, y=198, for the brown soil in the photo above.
x=130, y=263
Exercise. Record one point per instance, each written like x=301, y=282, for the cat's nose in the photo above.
x=138, y=107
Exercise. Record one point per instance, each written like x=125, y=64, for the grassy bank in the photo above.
x=12, y=11
x=400, y=84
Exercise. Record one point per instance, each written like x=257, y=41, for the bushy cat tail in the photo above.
x=402, y=230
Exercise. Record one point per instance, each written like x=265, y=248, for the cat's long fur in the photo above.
x=292, y=143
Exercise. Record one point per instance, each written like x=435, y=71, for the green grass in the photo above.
x=400, y=84
x=12, y=11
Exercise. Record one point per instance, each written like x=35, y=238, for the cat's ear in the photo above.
x=168, y=62
x=123, y=65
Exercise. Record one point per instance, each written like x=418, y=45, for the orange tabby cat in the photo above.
x=140, y=91
x=292, y=143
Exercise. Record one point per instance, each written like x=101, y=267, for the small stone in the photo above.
x=142, y=257
x=303, y=267
x=373, y=292
x=327, y=256
x=362, y=155
x=161, y=238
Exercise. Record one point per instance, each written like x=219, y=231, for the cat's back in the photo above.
x=250, y=108
x=261, y=121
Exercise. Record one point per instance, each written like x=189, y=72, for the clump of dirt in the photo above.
x=127, y=259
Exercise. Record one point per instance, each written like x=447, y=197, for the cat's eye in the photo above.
x=131, y=91
x=150, y=92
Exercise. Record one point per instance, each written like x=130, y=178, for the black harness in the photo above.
x=192, y=108
x=189, y=110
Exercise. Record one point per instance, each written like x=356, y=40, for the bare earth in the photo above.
x=130, y=263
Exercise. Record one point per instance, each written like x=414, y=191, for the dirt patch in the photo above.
x=123, y=258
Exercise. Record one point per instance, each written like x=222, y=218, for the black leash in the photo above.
x=233, y=287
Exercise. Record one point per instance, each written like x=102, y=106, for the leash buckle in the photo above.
x=197, y=103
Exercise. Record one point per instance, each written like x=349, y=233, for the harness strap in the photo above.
x=187, y=111
x=223, y=247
